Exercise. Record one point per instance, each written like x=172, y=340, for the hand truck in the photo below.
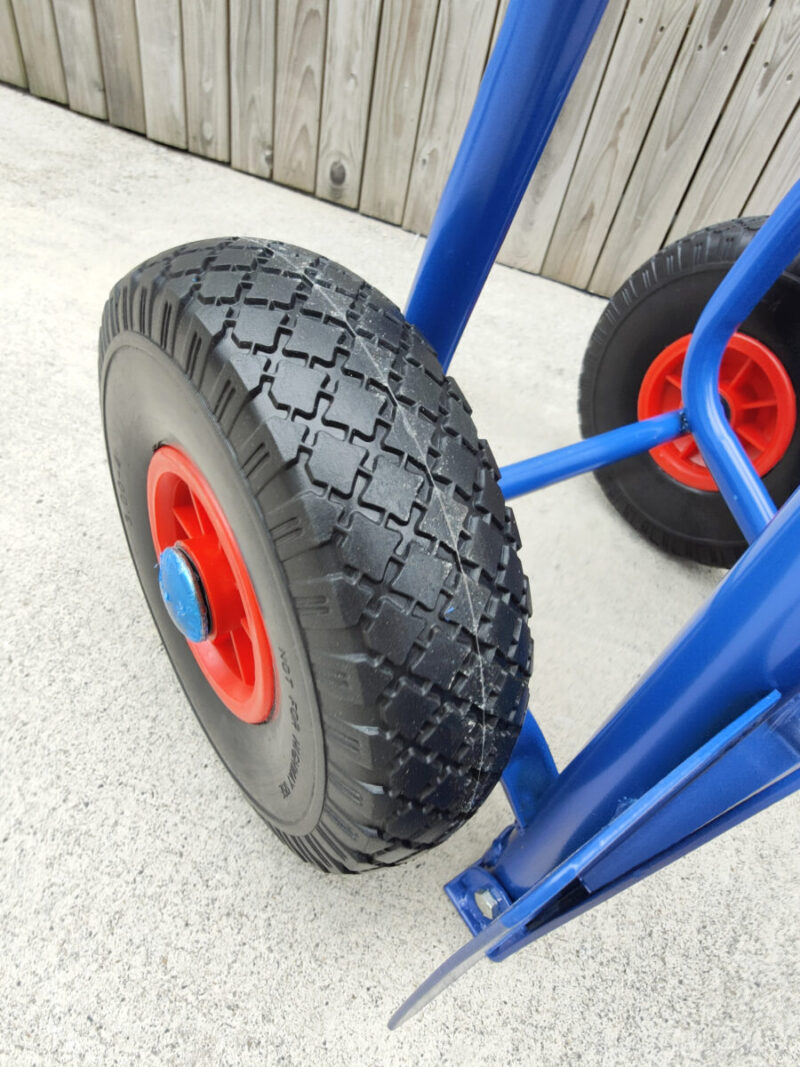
x=324, y=542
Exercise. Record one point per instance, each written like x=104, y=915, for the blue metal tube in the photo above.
x=744, y=643
x=536, y=57
x=531, y=474
x=760, y=265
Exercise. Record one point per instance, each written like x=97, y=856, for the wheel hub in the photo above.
x=183, y=595
x=206, y=588
x=757, y=395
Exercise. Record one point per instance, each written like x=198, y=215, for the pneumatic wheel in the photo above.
x=632, y=370
x=322, y=543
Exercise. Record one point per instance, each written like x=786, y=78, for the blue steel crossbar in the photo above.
x=540, y=471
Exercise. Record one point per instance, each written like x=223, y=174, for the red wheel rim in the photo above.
x=756, y=390
x=235, y=658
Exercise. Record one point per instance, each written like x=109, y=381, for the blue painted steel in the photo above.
x=535, y=59
x=744, y=642
x=716, y=786
x=182, y=594
x=530, y=771
x=772, y=249
x=531, y=474
x=464, y=890
x=696, y=747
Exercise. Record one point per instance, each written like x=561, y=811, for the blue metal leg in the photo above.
x=536, y=57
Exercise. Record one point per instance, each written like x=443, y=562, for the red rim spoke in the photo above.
x=756, y=405
x=687, y=447
x=675, y=379
x=197, y=507
x=739, y=376
x=186, y=517
x=227, y=650
x=752, y=436
x=243, y=649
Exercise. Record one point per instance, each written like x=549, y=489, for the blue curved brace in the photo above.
x=772, y=249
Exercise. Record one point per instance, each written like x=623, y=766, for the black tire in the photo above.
x=370, y=519
x=659, y=303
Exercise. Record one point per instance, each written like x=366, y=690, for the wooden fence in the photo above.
x=685, y=112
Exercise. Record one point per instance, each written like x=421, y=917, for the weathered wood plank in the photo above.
x=349, y=64
x=119, y=53
x=766, y=94
x=12, y=68
x=252, y=62
x=205, y=57
x=80, y=54
x=300, y=58
x=502, y=7
x=36, y=28
x=648, y=41
x=404, y=49
x=780, y=173
x=161, y=50
x=529, y=237
x=707, y=66
x=460, y=46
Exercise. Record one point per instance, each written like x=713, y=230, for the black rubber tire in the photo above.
x=659, y=303
x=370, y=519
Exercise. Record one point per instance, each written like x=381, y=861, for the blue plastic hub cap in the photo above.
x=183, y=594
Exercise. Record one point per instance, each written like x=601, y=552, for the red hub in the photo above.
x=758, y=397
x=186, y=516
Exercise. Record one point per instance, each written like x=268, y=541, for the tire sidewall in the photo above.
x=147, y=402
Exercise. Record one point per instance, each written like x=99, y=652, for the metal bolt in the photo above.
x=488, y=903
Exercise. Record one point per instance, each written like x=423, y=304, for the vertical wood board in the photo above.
x=12, y=67
x=404, y=51
x=205, y=56
x=38, y=40
x=648, y=41
x=765, y=96
x=349, y=65
x=460, y=46
x=529, y=237
x=80, y=55
x=252, y=62
x=300, y=59
x=780, y=173
x=119, y=52
x=716, y=45
x=161, y=51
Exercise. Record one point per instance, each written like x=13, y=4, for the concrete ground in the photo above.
x=145, y=912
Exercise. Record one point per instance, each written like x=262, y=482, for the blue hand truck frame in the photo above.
x=711, y=734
